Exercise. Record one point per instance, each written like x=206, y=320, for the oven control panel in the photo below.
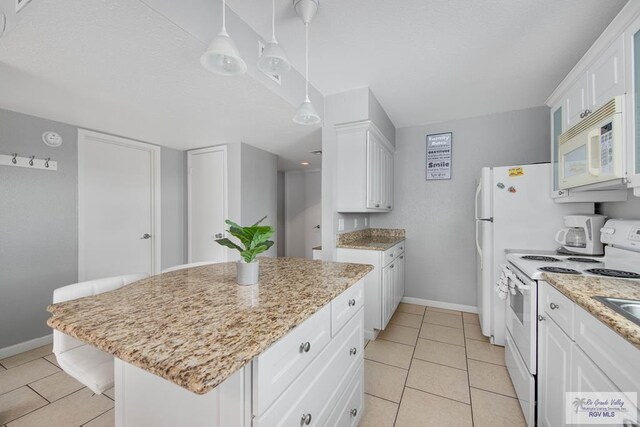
x=621, y=233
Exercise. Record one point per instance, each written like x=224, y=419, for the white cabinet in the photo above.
x=384, y=286
x=554, y=367
x=632, y=36
x=364, y=168
x=575, y=102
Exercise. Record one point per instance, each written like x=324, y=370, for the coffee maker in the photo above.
x=581, y=235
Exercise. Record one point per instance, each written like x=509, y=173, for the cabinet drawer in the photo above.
x=559, y=308
x=350, y=405
x=392, y=253
x=614, y=355
x=314, y=392
x=276, y=368
x=346, y=305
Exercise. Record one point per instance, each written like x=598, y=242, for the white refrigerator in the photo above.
x=514, y=210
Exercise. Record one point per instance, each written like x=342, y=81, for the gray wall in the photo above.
x=439, y=215
x=259, y=183
x=625, y=210
x=280, y=227
x=39, y=223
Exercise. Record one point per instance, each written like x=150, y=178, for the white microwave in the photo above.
x=592, y=151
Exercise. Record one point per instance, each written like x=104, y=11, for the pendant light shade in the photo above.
x=274, y=60
x=306, y=114
x=222, y=56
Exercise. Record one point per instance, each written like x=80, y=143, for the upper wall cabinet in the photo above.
x=365, y=168
x=606, y=71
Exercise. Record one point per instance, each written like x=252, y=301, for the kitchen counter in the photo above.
x=375, y=239
x=196, y=327
x=581, y=289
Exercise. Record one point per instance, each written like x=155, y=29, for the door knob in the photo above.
x=146, y=236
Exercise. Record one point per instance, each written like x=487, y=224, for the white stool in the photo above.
x=85, y=363
x=183, y=266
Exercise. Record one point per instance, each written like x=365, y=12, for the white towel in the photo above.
x=502, y=285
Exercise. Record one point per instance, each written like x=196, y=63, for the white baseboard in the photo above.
x=439, y=304
x=12, y=350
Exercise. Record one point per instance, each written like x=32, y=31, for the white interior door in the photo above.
x=118, y=206
x=207, y=204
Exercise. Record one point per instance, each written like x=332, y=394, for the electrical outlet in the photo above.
x=366, y=221
x=340, y=224
x=355, y=223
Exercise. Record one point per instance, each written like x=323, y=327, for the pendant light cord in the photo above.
x=273, y=21
x=306, y=60
x=224, y=17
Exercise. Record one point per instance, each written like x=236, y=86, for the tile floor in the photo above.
x=35, y=392
x=430, y=367
x=433, y=367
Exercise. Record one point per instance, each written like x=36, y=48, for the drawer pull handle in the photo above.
x=305, y=420
x=352, y=302
x=402, y=257
x=391, y=254
x=540, y=317
x=377, y=205
x=393, y=265
x=305, y=347
x=353, y=351
x=553, y=306
x=354, y=412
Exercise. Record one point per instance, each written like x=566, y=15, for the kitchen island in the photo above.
x=194, y=348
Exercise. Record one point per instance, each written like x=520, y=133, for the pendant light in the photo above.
x=222, y=56
x=274, y=59
x=306, y=114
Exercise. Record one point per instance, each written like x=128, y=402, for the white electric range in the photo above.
x=525, y=269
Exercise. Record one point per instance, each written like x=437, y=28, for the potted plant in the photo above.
x=255, y=240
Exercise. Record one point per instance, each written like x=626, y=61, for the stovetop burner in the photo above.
x=540, y=258
x=613, y=273
x=558, y=270
x=585, y=260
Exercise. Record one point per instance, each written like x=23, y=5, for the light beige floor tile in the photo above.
x=73, y=410
x=471, y=318
x=442, y=334
x=494, y=410
x=474, y=332
x=383, y=380
x=420, y=409
x=443, y=319
x=444, y=310
x=56, y=386
x=52, y=358
x=401, y=334
x=27, y=356
x=388, y=352
x=378, y=412
x=441, y=380
x=25, y=374
x=19, y=402
x=404, y=307
x=442, y=353
x=485, y=352
x=406, y=319
x=490, y=377
x=108, y=419
x=111, y=393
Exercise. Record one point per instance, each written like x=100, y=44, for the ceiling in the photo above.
x=435, y=60
x=119, y=67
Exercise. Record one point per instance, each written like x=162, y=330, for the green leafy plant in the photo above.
x=255, y=239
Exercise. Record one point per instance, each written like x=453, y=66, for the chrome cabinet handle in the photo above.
x=540, y=317
x=560, y=193
x=352, y=302
x=393, y=265
x=582, y=115
x=305, y=347
x=353, y=351
x=218, y=236
x=587, y=112
x=145, y=236
x=402, y=257
x=377, y=205
x=389, y=207
x=354, y=412
x=306, y=419
x=553, y=306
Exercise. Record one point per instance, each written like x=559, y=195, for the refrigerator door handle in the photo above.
x=478, y=248
x=478, y=190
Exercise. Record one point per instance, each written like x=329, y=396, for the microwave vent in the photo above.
x=607, y=110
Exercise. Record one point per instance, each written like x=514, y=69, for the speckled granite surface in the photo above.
x=375, y=239
x=196, y=327
x=581, y=289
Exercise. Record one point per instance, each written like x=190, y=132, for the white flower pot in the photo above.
x=247, y=273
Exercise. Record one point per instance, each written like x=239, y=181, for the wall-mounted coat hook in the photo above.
x=14, y=159
x=31, y=160
x=28, y=162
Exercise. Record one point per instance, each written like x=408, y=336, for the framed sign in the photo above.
x=439, y=148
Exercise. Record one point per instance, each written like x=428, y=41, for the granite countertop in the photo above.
x=374, y=239
x=195, y=327
x=580, y=289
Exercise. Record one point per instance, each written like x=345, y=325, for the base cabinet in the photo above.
x=554, y=366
